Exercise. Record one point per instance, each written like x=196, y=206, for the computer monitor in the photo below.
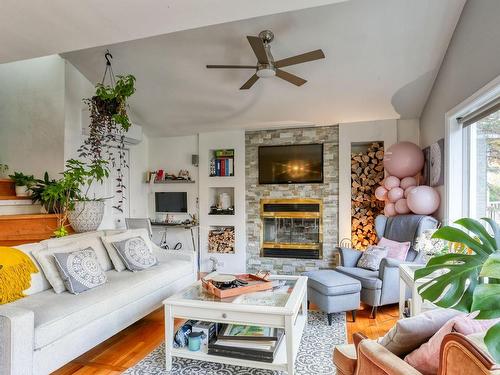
x=171, y=201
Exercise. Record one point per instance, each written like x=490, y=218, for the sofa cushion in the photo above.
x=396, y=250
x=57, y=314
x=108, y=239
x=408, y=334
x=45, y=258
x=332, y=283
x=39, y=282
x=368, y=279
x=371, y=258
x=84, y=238
x=80, y=270
x=135, y=253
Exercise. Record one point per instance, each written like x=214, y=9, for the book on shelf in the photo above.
x=247, y=342
x=222, y=167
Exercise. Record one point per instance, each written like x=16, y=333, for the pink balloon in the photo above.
x=402, y=207
x=395, y=194
x=423, y=200
x=403, y=159
x=408, y=189
x=389, y=210
x=408, y=181
x=381, y=193
x=391, y=182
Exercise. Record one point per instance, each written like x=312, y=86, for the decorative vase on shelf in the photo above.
x=86, y=216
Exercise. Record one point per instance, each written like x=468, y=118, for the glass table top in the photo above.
x=276, y=297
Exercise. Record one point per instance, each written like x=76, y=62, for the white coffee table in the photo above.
x=285, y=307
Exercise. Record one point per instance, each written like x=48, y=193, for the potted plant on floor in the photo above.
x=23, y=183
x=468, y=279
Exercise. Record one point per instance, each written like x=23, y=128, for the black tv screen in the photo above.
x=171, y=201
x=295, y=164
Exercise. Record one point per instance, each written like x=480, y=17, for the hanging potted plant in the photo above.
x=109, y=121
x=23, y=183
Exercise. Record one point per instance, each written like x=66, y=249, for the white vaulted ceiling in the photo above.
x=381, y=61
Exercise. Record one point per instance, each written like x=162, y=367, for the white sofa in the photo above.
x=45, y=330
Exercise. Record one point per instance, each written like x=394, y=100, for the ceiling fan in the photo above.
x=266, y=66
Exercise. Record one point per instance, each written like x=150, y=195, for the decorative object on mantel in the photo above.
x=471, y=281
x=23, y=183
x=108, y=122
x=403, y=162
x=225, y=286
x=3, y=170
x=367, y=171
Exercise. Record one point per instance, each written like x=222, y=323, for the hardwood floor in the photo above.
x=128, y=347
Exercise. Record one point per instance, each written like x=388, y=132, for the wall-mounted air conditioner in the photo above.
x=132, y=137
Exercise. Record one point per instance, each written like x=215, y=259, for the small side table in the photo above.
x=407, y=279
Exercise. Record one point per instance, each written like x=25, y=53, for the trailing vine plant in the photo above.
x=109, y=122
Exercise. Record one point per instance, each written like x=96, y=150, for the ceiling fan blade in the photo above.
x=292, y=78
x=250, y=82
x=231, y=67
x=258, y=48
x=299, y=59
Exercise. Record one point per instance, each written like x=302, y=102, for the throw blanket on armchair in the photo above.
x=15, y=274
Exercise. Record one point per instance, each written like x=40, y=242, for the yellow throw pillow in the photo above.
x=15, y=274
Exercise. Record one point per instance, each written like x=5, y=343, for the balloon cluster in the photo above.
x=403, y=161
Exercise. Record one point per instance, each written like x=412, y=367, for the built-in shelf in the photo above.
x=221, y=163
x=216, y=204
x=175, y=182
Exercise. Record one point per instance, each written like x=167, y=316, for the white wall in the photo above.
x=223, y=140
x=472, y=60
x=32, y=115
x=173, y=154
x=388, y=131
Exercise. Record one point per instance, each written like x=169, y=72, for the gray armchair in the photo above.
x=381, y=287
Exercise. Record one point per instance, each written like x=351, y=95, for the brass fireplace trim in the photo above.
x=292, y=215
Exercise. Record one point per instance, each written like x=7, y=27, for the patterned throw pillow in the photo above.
x=80, y=270
x=135, y=253
x=372, y=257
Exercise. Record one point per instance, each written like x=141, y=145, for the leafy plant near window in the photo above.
x=74, y=186
x=471, y=279
x=21, y=179
x=109, y=122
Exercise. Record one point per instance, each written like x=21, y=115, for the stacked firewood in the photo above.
x=367, y=171
x=221, y=240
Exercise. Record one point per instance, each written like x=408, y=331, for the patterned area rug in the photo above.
x=314, y=356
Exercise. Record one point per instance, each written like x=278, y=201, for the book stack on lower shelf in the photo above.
x=247, y=342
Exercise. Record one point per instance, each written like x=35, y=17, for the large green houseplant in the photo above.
x=72, y=189
x=468, y=280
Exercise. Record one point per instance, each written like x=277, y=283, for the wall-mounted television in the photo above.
x=171, y=201
x=293, y=164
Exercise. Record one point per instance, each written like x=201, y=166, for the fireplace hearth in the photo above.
x=292, y=228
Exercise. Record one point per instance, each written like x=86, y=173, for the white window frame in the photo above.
x=457, y=148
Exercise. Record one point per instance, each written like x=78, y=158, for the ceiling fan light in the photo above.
x=266, y=73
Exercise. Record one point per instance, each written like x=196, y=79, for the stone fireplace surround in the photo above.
x=327, y=192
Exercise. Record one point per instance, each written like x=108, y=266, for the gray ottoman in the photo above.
x=333, y=292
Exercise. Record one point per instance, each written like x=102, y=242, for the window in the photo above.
x=481, y=167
